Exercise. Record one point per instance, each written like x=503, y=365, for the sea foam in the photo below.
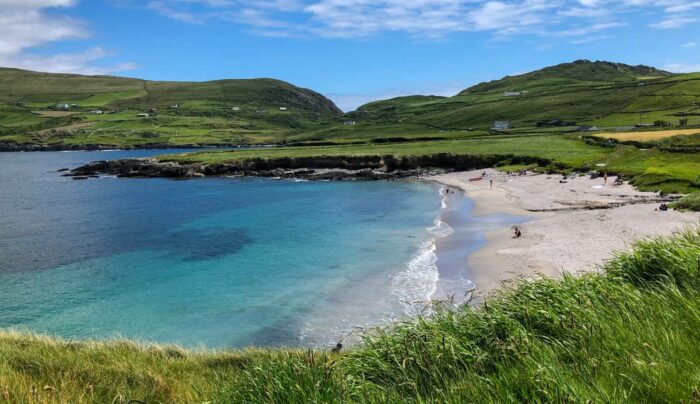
x=415, y=286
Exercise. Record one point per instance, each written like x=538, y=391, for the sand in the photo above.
x=572, y=227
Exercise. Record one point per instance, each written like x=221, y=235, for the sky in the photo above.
x=352, y=51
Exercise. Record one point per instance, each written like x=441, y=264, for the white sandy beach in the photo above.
x=574, y=226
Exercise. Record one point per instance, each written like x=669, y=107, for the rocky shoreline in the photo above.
x=310, y=168
x=152, y=168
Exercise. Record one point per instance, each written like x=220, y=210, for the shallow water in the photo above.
x=218, y=262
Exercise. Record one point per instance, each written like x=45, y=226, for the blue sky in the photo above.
x=352, y=51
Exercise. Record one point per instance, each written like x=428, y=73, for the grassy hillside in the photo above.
x=214, y=112
x=629, y=333
x=580, y=93
x=560, y=98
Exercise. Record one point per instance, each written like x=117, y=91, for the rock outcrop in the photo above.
x=312, y=168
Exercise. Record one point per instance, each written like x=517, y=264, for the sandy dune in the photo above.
x=574, y=226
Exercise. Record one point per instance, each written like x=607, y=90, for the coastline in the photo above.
x=571, y=227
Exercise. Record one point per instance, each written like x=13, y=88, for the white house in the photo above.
x=63, y=106
x=235, y=108
x=501, y=125
x=511, y=93
x=96, y=112
x=143, y=115
x=283, y=108
x=349, y=123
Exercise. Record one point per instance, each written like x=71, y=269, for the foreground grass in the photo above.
x=628, y=333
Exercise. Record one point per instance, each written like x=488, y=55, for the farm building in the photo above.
x=143, y=115
x=349, y=123
x=501, y=125
x=62, y=106
x=174, y=106
x=283, y=108
x=96, y=112
x=235, y=108
x=511, y=93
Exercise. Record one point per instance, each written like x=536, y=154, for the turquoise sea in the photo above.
x=218, y=262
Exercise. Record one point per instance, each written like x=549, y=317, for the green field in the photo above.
x=221, y=112
x=626, y=334
x=649, y=169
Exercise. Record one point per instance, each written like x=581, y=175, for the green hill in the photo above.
x=561, y=98
x=578, y=72
x=580, y=93
x=213, y=112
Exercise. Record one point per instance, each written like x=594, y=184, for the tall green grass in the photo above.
x=627, y=333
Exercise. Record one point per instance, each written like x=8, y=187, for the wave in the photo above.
x=443, y=200
x=415, y=286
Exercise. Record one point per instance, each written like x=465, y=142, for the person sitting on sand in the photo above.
x=517, y=233
x=663, y=207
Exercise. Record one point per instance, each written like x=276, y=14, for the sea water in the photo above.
x=223, y=262
x=219, y=262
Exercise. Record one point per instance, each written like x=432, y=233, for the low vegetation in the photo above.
x=627, y=333
x=688, y=202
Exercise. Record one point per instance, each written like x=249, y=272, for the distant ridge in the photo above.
x=573, y=72
x=18, y=85
x=580, y=93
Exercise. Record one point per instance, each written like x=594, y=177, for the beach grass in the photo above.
x=688, y=202
x=628, y=332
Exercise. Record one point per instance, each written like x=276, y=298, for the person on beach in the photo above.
x=663, y=207
x=517, y=233
x=337, y=348
x=605, y=178
x=491, y=183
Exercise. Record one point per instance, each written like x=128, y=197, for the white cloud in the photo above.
x=673, y=21
x=428, y=18
x=689, y=45
x=70, y=63
x=25, y=25
x=589, y=39
x=681, y=68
